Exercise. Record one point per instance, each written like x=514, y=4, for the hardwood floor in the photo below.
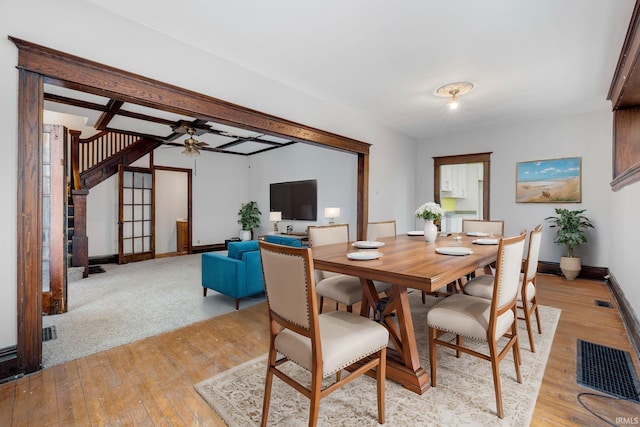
x=150, y=382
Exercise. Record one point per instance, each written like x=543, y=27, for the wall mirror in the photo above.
x=461, y=187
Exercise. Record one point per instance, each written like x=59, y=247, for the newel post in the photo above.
x=80, y=241
x=75, y=159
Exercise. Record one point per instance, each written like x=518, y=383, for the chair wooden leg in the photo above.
x=517, y=358
x=349, y=308
x=267, y=387
x=527, y=321
x=321, y=305
x=314, y=399
x=459, y=344
x=424, y=297
x=204, y=291
x=495, y=369
x=237, y=304
x=535, y=304
x=381, y=373
x=337, y=306
x=433, y=334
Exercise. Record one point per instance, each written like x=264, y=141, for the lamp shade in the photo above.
x=331, y=212
x=275, y=216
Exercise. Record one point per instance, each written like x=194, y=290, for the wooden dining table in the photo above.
x=406, y=262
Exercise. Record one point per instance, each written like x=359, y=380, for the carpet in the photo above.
x=464, y=395
x=129, y=302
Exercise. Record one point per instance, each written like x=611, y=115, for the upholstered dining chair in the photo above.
x=323, y=344
x=482, y=286
x=381, y=229
x=492, y=228
x=484, y=320
x=337, y=287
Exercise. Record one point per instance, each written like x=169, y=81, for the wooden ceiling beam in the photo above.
x=92, y=77
x=113, y=106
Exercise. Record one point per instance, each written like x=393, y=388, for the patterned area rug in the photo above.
x=464, y=395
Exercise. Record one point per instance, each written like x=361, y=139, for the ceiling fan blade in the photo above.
x=201, y=144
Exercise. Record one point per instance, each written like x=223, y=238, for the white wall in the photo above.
x=69, y=26
x=624, y=237
x=335, y=172
x=102, y=218
x=612, y=244
x=586, y=135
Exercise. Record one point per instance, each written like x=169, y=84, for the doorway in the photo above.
x=37, y=65
x=172, y=211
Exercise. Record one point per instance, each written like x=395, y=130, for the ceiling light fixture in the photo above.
x=453, y=91
x=192, y=145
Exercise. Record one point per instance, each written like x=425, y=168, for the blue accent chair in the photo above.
x=239, y=273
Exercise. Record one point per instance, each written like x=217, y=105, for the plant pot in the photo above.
x=245, y=235
x=570, y=266
x=430, y=231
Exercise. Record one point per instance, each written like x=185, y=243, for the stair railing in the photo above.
x=86, y=153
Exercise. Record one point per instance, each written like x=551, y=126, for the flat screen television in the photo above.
x=297, y=200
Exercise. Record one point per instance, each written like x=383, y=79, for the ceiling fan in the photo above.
x=192, y=145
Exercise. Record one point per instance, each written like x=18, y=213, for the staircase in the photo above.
x=92, y=161
x=73, y=273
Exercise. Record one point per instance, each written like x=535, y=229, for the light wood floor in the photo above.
x=150, y=382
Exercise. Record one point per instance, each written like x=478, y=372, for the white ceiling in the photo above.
x=528, y=60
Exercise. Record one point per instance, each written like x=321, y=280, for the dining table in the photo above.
x=406, y=262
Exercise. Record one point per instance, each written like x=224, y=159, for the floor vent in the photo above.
x=601, y=303
x=607, y=369
x=49, y=333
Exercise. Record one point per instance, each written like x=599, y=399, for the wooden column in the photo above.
x=29, y=236
x=80, y=241
x=75, y=160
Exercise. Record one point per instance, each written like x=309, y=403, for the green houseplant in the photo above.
x=571, y=225
x=249, y=219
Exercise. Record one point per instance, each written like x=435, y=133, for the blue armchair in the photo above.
x=239, y=273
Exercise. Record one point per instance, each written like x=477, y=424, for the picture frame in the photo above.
x=549, y=181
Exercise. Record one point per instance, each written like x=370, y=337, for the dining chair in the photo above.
x=483, y=320
x=338, y=287
x=381, y=229
x=322, y=344
x=492, y=228
x=482, y=286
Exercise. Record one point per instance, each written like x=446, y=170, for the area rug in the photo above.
x=464, y=395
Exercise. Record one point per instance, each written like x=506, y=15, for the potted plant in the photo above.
x=249, y=219
x=571, y=225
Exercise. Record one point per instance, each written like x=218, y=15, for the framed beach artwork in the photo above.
x=549, y=181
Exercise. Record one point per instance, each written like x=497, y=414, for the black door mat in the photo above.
x=49, y=333
x=607, y=369
x=95, y=269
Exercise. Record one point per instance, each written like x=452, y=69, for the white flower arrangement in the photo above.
x=430, y=211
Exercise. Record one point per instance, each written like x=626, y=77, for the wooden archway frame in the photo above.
x=38, y=65
x=484, y=158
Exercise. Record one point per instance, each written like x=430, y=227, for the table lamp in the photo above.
x=331, y=213
x=275, y=217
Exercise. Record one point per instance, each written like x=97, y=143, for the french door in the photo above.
x=135, y=214
x=54, y=220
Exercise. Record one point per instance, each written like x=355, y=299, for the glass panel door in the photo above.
x=136, y=239
x=54, y=221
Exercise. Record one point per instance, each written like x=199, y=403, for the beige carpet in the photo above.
x=132, y=301
x=464, y=395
